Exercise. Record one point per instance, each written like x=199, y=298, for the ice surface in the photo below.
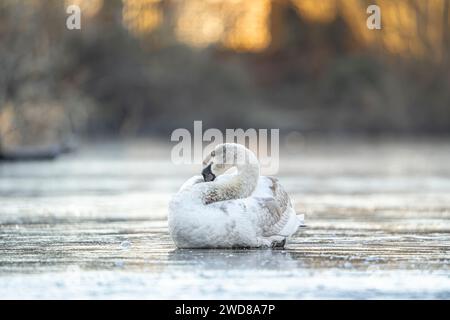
x=92, y=225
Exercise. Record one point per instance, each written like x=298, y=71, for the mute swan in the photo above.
x=231, y=210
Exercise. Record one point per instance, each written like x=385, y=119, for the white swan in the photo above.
x=234, y=210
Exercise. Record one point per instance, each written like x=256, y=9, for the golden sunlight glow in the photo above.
x=401, y=33
x=141, y=16
x=400, y=28
x=250, y=31
x=354, y=13
x=200, y=22
x=241, y=25
x=88, y=7
x=317, y=11
x=245, y=25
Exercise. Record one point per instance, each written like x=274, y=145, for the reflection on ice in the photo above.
x=233, y=259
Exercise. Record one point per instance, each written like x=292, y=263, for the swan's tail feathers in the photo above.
x=301, y=217
x=295, y=221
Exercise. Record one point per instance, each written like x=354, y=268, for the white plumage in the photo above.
x=234, y=210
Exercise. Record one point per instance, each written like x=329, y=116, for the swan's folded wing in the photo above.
x=275, y=215
x=191, y=181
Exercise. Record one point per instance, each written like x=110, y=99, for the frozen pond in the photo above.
x=92, y=225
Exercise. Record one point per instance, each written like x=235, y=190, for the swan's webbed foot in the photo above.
x=272, y=242
x=279, y=244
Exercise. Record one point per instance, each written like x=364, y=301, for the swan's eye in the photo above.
x=213, y=154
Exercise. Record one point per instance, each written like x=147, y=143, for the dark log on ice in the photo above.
x=35, y=153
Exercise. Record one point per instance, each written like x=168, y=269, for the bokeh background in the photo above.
x=145, y=67
x=364, y=119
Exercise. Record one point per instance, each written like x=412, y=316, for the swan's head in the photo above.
x=225, y=156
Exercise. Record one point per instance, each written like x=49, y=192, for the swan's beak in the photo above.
x=207, y=174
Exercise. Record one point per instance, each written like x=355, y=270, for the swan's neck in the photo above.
x=241, y=185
